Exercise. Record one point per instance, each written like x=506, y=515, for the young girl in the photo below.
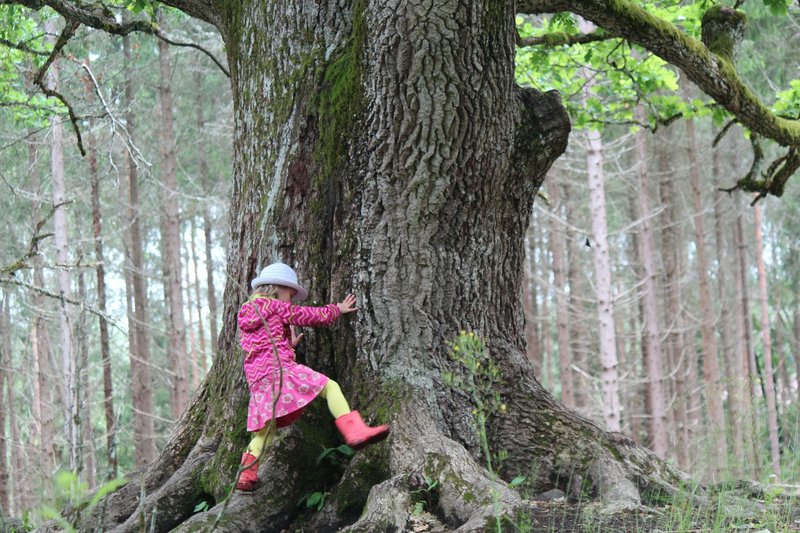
x=281, y=388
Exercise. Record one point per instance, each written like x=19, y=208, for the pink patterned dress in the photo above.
x=282, y=378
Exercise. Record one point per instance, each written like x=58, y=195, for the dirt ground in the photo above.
x=558, y=516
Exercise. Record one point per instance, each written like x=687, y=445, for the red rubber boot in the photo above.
x=356, y=433
x=248, y=479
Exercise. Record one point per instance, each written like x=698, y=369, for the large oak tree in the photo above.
x=383, y=147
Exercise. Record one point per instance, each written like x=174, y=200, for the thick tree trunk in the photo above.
x=396, y=159
x=171, y=239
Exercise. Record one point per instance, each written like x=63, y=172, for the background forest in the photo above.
x=656, y=303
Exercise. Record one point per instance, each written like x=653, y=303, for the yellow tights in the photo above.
x=337, y=404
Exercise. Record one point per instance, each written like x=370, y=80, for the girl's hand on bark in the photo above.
x=348, y=305
x=295, y=336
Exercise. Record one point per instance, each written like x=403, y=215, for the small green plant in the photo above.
x=425, y=496
x=314, y=500
x=201, y=507
x=337, y=455
x=480, y=380
x=73, y=494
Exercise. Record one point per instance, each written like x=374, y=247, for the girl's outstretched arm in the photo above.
x=298, y=315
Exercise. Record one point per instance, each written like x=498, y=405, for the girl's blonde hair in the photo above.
x=269, y=290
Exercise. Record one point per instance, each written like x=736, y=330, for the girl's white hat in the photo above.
x=280, y=274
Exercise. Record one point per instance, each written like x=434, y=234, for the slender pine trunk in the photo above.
x=769, y=382
x=728, y=348
x=44, y=407
x=86, y=448
x=171, y=238
x=201, y=334
x=653, y=357
x=5, y=365
x=66, y=318
x=203, y=178
x=105, y=348
x=711, y=371
x=679, y=364
x=748, y=377
x=141, y=380
x=529, y=303
x=556, y=232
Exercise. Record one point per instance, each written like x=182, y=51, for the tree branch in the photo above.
x=66, y=34
x=197, y=47
x=101, y=18
x=560, y=39
x=11, y=280
x=722, y=133
x=715, y=75
x=22, y=47
x=33, y=246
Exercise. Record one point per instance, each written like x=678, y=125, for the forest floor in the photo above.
x=558, y=516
